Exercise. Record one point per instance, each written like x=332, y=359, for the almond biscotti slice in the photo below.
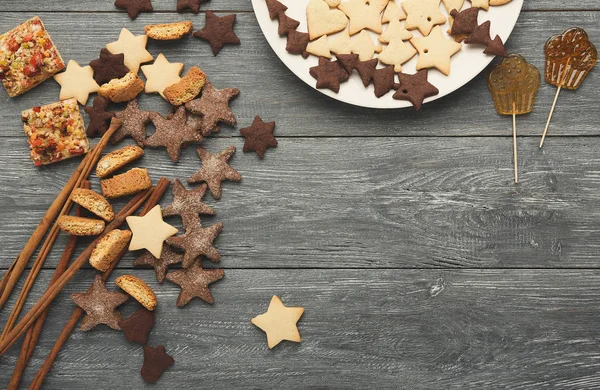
x=187, y=88
x=169, y=31
x=128, y=183
x=138, y=289
x=94, y=202
x=80, y=226
x=116, y=160
x=108, y=249
x=122, y=90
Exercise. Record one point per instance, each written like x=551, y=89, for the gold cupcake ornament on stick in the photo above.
x=514, y=85
x=570, y=56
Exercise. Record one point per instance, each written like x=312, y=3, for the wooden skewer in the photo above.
x=562, y=82
x=38, y=380
x=51, y=293
x=33, y=334
x=47, y=246
x=515, y=156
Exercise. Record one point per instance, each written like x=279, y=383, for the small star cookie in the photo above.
x=194, y=282
x=161, y=74
x=215, y=169
x=279, y=322
x=362, y=16
x=76, y=82
x=423, y=15
x=134, y=49
x=435, y=51
x=150, y=232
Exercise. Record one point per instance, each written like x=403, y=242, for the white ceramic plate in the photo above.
x=466, y=64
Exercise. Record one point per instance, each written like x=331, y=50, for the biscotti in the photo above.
x=122, y=90
x=108, y=249
x=116, y=160
x=138, y=289
x=79, y=226
x=169, y=31
x=94, y=202
x=128, y=183
x=187, y=88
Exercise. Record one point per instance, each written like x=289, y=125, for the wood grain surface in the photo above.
x=418, y=261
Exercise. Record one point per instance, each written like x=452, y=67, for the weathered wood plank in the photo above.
x=371, y=202
x=272, y=91
x=234, y=5
x=361, y=329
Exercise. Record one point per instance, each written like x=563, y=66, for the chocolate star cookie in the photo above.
x=172, y=133
x=192, y=5
x=188, y=204
x=137, y=327
x=259, y=137
x=197, y=241
x=218, y=31
x=134, y=7
x=213, y=106
x=167, y=257
x=383, y=80
x=194, y=282
x=329, y=74
x=108, y=67
x=156, y=361
x=99, y=117
x=99, y=305
x=415, y=88
x=215, y=169
x=134, y=124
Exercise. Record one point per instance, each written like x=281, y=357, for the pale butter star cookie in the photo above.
x=423, y=15
x=134, y=49
x=161, y=74
x=362, y=16
x=435, y=51
x=76, y=82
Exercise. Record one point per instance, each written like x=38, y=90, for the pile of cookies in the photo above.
x=345, y=29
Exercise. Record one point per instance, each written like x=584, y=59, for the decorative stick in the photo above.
x=554, y=104
x=78, y=312
x=515, y=157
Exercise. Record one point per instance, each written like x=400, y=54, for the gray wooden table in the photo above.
x=419, y=263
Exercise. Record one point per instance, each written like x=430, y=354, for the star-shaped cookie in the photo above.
x=435, y=51
x=134, y=49
x=197, y=241
x=188, y=204
x=150, y=231
x=134, y=7
x=414, y=88
x=76, y=82
x=215, y=169
x=259, y=137
x=218, y=31
x=192, y=5
x=423, y=15
x=362, y=16
x=99, y=305
x=329, y=74
x=161, y=74
x=279, y=322
x=134, y=123
x=99, y=117
x=167, y=257
x=213, y=105
x=108, y=67
x=137, y=327
x=194, y=282
x=172, y=133
x=156, y=361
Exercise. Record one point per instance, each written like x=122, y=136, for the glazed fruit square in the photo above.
x=55, y=132
x=27, y=57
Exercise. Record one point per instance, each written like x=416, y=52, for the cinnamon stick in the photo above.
x=39, y=378
x=51, y=293
x=95, y=155
x=60, y=206
x=33, y=334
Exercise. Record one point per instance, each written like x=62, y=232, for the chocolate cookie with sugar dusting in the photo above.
x=197, y=241
x=194, y=282
x=213, y=106
x=188, y=204
x=167, y=257
x=215, y=169
x=100, y=305
x=134, y=123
